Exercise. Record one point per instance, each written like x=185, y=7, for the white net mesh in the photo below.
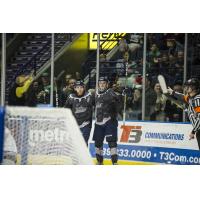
x=45, y=136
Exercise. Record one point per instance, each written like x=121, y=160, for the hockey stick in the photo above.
x=56, y=86
x=125, y=95
x=56, y=91
x=163, y=86
x=162, y=83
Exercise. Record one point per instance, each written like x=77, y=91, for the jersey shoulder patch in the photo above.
x=197, y=109
x=197, y=97
x=186, y=98
x=71, y=96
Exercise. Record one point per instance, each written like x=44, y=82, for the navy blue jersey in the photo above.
x=81, y=107
x=108, y=104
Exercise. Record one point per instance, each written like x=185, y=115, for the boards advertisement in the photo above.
x=154, y=142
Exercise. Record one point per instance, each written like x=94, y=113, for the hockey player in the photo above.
x=107, y=107
x=81, y=104
x=192, y=101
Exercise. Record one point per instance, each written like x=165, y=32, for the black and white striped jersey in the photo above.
x=194, y=111
x=193, y=108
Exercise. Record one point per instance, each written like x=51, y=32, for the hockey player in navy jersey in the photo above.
x=192, y=101
x=107, y=106
x=81, y=104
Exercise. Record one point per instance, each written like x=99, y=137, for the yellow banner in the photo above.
x=107, y=40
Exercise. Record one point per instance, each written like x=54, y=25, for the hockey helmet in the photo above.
x=103, y=78
x=79, y=83
x=194, y=83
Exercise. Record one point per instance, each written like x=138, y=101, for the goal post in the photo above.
x=45, y=136
x=2, y=114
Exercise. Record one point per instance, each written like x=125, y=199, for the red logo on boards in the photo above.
x=131, y=134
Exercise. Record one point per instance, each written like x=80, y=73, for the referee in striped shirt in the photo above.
x=192, y=102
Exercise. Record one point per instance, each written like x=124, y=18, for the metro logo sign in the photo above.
x=131, y=134
x=110, y=38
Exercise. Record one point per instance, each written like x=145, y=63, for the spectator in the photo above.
x=172, y=48
x=154, y=54
x=67, y=90
x=44, y=95
x=121, y=64
x=179, y=65
x=172, y=60
x=173, y=112
x=134, y=45
x=104, y=66
x=165, y=60
x=32, y=94
x=159, y=39
x=150, y=97
x=123, y=46
x=171, y=69
x=66, y=81
x=164, y=64
x=17, y=94
x=137, y=104
x=70, y=87
x=180, y=59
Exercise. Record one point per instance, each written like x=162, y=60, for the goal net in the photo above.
x=43, y=136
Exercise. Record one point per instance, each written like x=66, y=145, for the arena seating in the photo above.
x=33, y=53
